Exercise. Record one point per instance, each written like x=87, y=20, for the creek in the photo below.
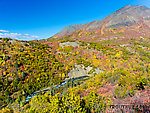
x=57, y=86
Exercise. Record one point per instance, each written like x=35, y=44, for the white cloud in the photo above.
x=3, y=31
x=26, y=34
x=18, y=36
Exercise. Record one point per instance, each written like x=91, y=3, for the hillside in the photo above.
x=127, y=16
x=26, y=67
x=114, y=53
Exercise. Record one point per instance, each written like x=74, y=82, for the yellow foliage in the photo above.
x=77, y=52
x=6, y=110
x=102, y=29
x=4, y=73
x=71, y=63
x=80, y=48
x=110, y=29
x=84, y=47
x=67, y=68
x=94, y=56
x=4, y=62
x=63, y=75
x=118, y=54
x=96, y=62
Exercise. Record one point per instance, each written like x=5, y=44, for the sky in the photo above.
x=41, y=19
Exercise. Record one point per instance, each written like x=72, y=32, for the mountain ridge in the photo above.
x=125, y=16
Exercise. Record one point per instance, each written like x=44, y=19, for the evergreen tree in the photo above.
x=8, y=99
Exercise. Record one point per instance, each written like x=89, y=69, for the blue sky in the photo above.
x=40, y=19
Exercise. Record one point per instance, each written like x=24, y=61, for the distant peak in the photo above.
x=125, y=16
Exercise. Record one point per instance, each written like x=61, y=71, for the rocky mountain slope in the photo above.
x=126, y=16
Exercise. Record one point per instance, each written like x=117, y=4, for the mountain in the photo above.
x=126, y=16
x=69, y=29
x=84, y=68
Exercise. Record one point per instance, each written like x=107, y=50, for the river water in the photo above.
x=60, y=85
